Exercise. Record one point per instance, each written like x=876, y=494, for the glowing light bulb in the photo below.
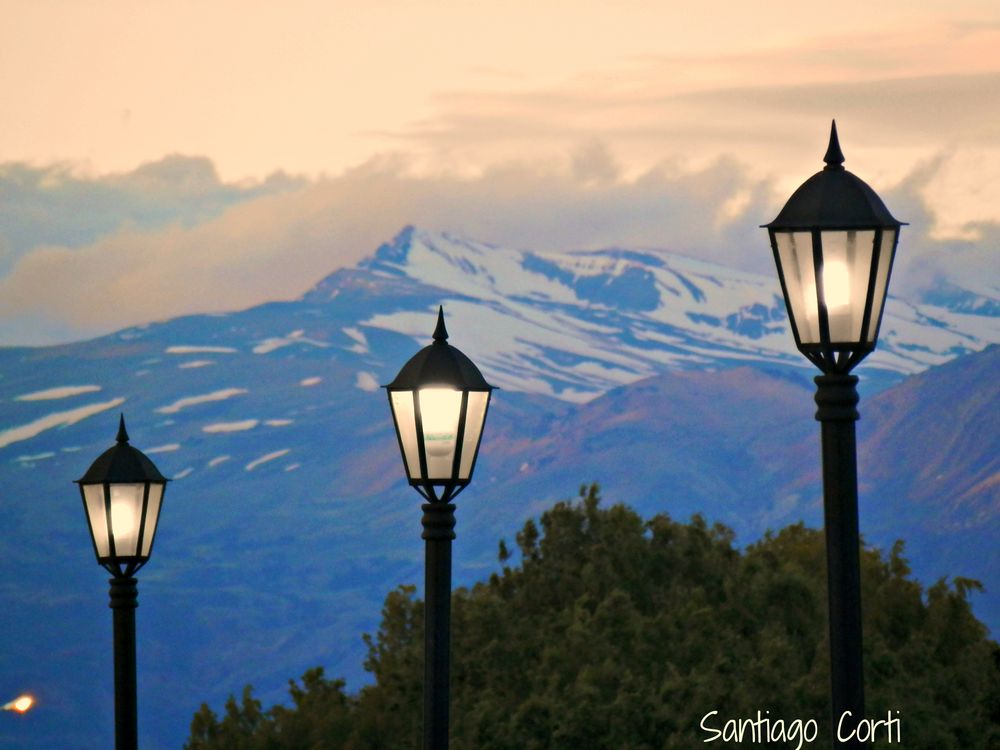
x=126, y=509
x=836, y=285
x=439, y=413
x=123, y=519
x=836, y=293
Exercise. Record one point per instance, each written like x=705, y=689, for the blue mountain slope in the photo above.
x=288, y=520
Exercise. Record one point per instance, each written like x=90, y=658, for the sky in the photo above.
x=165, y=158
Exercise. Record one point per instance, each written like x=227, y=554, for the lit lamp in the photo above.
x=833, y=245
x=22, y=704
x=439, y=401
x=122, y=493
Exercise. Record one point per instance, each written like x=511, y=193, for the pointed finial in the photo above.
x=122, y=435
x=440, y=332
x=834, y=156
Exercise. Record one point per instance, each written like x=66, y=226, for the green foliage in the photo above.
x=615, y=632
x=321, y=717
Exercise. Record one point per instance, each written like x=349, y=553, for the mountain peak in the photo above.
x=397, y=249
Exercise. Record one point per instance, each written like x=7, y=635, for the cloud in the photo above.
x=60, y=206
x=277, y=245
x=929, y=260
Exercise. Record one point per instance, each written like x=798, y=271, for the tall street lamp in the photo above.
x=122, y=493
x=439, y=402
x=833, y=244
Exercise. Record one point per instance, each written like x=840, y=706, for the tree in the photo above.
x=616, y=632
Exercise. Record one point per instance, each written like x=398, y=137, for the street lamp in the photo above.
x=439, y=401
x=833, y=245
x=122, y=493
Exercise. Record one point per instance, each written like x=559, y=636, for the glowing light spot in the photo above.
x=439, y=409
x=20, y=704
x=836, y=285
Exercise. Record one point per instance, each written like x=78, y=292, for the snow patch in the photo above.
x=239, y=426
x=58, y=419
x=184, y=349
x=361, y=342
x=183, y=403
x=168, y=448
x=366, y=381
x=36, y=457
x=265, y=458
x=63, y=391
x=295, y=337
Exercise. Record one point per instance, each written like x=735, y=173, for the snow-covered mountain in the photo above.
x=572, y=325
x=671, y=381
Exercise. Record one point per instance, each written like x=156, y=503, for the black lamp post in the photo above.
x=439, y=402
x=833, y=244
x=122, y=493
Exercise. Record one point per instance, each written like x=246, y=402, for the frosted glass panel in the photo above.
x=126, y=515
x=152, y=513
x=475, y=416
x=847, y=262
x=885, y=254
x=796, y=254
x=93, y=497
x=439, y=409
x=402, y=412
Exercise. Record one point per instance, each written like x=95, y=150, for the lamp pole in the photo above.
x=439, y=402
x=124, y=600
x=833, y=244
x=439, y=531
x=836, y=401
x=122, y=493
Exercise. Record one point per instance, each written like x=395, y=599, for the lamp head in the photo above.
x=439, y=402
x=834, y=242
x=122, y=493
